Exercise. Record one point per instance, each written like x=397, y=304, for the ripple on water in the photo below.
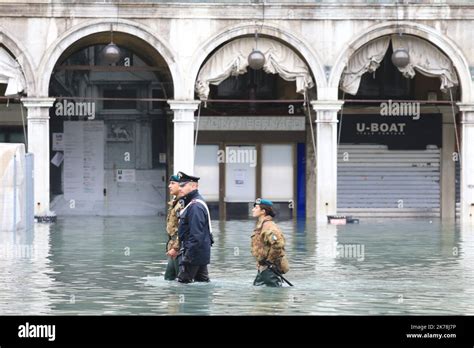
x=408, y=267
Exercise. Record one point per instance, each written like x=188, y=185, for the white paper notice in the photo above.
x=125, y=175
x=239, y=177
x=162, y=157
x=57, y=159
x=84, y=159
x=58, y=142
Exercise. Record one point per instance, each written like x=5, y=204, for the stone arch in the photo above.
x=87, y=28
x=292, y=40
x=447, y=46
x=21, y=54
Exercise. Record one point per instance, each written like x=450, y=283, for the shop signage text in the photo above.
x=251, y=123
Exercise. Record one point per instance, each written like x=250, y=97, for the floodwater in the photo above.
x=115, y=266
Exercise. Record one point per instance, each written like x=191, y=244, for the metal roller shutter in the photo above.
x=377, y=182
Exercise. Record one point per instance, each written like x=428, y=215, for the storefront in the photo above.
x=251, y=128
x=390, y=166
x=397, y=134
x=109, y=146
x=242, y=158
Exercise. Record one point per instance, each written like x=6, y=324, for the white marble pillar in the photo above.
x=183, y=134
x=38, y=144
x=326, y=157
x=467, y=163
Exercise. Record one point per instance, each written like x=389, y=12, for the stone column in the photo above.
x=326, y=157
x=310, y=173
x=448, y=166
x=38, y=144
x=467, y=163
x=183, y=134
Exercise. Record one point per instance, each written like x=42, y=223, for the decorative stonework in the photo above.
x=432, y=35
x=326, y=110
x=467, y=111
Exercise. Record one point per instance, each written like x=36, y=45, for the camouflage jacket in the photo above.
x=172, y=220
x=268, y=243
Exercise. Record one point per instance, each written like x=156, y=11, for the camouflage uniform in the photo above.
x=268, y=244
x=172, y=220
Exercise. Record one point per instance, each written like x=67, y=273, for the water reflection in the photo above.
x=25, y=272
x=116, y=265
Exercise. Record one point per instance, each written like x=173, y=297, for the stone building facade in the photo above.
x=172, y=41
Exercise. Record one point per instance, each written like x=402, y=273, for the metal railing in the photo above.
x=269, y=2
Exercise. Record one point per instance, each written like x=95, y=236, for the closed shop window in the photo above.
x=207, y=168
x=277, y=172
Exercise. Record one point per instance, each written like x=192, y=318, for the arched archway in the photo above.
x=427, y=163
x=87, y=28
x=248, y=29
x=427, y=33
x=122, y=132
x=243, y=131
x=17, y=80
x=21, y=54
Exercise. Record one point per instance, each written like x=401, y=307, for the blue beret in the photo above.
x=262, y=201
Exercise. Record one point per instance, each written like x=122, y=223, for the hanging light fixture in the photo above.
x=256, y=58
x=401, y=56
x=111, y=53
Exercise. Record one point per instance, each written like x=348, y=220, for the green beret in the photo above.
x=174, y=178
x=262, y=201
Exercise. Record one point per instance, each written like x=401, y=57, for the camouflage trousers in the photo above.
x=172, y=269
x=268, y=278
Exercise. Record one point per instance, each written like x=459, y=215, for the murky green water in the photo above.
x=92, y=266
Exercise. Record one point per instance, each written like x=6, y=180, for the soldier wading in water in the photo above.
x=268, y=246
x=172, y=220
x=194, y=232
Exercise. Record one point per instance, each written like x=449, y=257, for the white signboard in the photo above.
x=251, y=123
x=125, y=175
x=84, y=160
